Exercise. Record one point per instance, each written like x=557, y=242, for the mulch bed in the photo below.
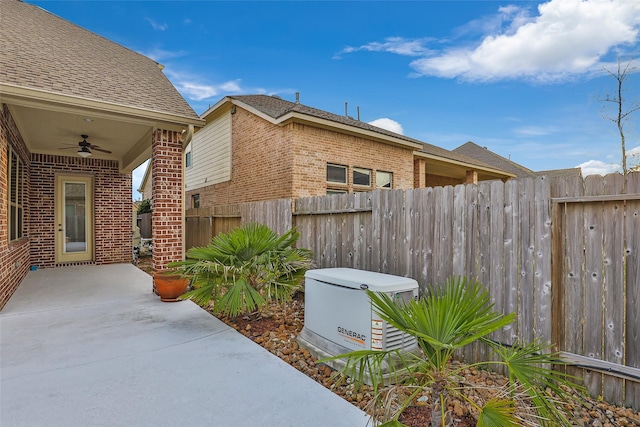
x=276, y=330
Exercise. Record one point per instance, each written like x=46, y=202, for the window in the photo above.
x=187, y=158
x=195, y=201
x=336, y=174
x=15, y=179
x=331, y=191
x=384, y=179
x=362, y=177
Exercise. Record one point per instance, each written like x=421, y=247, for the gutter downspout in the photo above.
x=188, y=136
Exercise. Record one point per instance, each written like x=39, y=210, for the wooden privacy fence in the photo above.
x=202, y=224
x=144, y=223
x=566, y=263
x=596, y=276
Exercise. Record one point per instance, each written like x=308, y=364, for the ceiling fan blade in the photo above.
x=93, y=147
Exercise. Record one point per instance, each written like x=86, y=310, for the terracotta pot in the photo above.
x=169, y=287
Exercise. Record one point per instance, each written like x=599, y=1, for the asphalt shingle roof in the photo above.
x=483, y=154
x=277, y=107
x=39, y=50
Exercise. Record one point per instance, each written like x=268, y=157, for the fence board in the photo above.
x=542, y=276
x=593, y=293
x=426, y=205
x=376, y=225
x=406, y=268
x=511, y=276
x=613, y=280
x=632, y=266
x=442, y=242
x=526, y=314
x=496, y=251
x=400, y=248
x=458, y=244
x=573, y=238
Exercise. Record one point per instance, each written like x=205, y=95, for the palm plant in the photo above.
x=444, y=321
x=241, y=271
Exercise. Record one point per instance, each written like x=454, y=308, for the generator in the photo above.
x=339, y=317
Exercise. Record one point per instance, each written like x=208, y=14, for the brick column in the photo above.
x=166, y=193
x=419, y=173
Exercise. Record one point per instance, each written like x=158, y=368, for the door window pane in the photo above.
x=75, y=219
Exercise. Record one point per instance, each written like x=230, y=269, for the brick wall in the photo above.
x=315, y=147
x=14, y=256
x=260, y=164
x=167, y=212
x=441, y=181
x=273, y=162
x=112, y=208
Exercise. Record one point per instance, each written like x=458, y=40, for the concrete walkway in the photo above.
x=93, y=346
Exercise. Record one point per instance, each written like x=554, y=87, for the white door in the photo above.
x=74, y=218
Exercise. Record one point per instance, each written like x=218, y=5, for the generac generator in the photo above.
x=339, y=318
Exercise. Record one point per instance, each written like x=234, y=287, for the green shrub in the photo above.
x=243, y=270
x=145, y=207
x=444, y=321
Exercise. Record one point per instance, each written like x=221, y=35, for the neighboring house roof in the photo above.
x=432, y=151
x=42, y=52
x=484, y=155
x=561, y=173
x=280, y=111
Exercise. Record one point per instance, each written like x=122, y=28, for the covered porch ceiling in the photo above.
x=458, y=170
x=54, y=124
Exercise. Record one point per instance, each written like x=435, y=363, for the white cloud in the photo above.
x=397, y=45
x=634, y=152
x=565, y=38
x=157, y=26
x=527, y=131
x=597, y=167
x=199, y=91
x=160, y=55
x=388, y=124
x=195, y=87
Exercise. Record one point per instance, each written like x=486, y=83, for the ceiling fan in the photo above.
x=86, y=147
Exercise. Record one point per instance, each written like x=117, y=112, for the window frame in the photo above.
x=15, y=195
x=346, y=174
x=364, y=171
x=390, y=181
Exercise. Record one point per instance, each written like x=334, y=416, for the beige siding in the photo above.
x=211, y=154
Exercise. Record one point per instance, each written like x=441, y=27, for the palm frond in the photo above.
x=498, y=413
x=530, y=365
x=243, y=269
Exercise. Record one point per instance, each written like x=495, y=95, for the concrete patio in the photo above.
x=93, y=346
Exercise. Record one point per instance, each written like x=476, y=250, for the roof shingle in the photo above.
x=277, y=107
x=41, y=51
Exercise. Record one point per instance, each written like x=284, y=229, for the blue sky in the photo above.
x=520, y=78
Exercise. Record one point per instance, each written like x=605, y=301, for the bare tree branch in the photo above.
x=622, y=110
